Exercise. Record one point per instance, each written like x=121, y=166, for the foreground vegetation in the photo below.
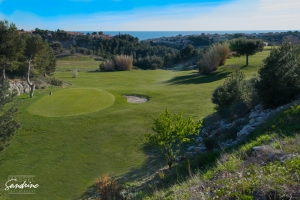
x=265, y=167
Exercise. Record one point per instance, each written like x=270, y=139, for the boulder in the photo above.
x=200, y=149
x=245, y=131
x=287, y=157
x=191, y=148
x=259, y=107
x=199, y=139
x=254, y=114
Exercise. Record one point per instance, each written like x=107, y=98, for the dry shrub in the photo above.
x=108, y=188
x=223, y=51
x=123, y=62
x=214, y=57
x=107, y=65
x=210, y=61
x=75, y=73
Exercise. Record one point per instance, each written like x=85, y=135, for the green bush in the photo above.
x=171, y=132
x=55, y=82
x=235, y=97
x=280, y=76
x=150, y=62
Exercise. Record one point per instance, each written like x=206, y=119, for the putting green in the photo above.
x=68, y=102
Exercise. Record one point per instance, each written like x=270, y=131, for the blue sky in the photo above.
x=155, y=15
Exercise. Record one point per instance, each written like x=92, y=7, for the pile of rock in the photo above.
x=242, y=127
x=19, y=86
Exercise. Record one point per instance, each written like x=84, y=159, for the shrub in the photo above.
x=223, y=51
x=280, y=76
x=55, y=82
x=107, y=65
x=171, y=132
x=235, y=97
x=75, y=73
x=209, y=62
x=214, y=57
x=39, y=84
x=150, y=62
x=123, y=62
x=108, y=188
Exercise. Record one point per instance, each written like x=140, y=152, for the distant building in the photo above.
x=293, y=39
x=75, y=34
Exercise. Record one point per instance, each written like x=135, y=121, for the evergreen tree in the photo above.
x=10, y=47
x=280, y=76
x=8, y=110
x=247, y=47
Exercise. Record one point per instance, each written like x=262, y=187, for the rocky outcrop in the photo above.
x=242, y=127
x=18, y=86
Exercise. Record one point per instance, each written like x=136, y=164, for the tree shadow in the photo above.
x=139, y=178
x=196, y=78
x=244, y=66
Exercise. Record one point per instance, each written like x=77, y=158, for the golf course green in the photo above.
x=68, y=102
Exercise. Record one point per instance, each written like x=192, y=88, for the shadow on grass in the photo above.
x=196, y=78
x=137, y=179
x=145, y=180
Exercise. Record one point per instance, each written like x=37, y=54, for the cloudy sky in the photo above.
x=152, y=15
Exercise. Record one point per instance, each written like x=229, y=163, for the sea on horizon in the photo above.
x=144, y=35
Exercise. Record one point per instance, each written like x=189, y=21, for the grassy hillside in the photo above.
x=272, y=171
x=67, y=154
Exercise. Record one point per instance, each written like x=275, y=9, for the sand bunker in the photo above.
x=135, y=99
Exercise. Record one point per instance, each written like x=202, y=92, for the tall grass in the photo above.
x=223, y=51
x=123, y=62
x=75, y=73
x=214, y=57
x=107, y=65
x=209, y=62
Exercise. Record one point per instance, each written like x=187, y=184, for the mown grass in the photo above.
x=68, y=102
x=68, y=154
x=81, y=63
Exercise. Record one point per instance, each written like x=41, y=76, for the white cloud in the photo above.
x=237, y=15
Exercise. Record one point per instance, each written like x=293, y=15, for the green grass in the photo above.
x=81, y=63
x=67, y=154
x=68, y=102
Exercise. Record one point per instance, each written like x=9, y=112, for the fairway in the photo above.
x=68, y=154
x=68, y=102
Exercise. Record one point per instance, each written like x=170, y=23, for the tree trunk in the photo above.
x=31, y=90
x=3, y=76
x=28, y=81
x=247, y=56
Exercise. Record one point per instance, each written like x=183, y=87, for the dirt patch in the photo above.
x=135, y=99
